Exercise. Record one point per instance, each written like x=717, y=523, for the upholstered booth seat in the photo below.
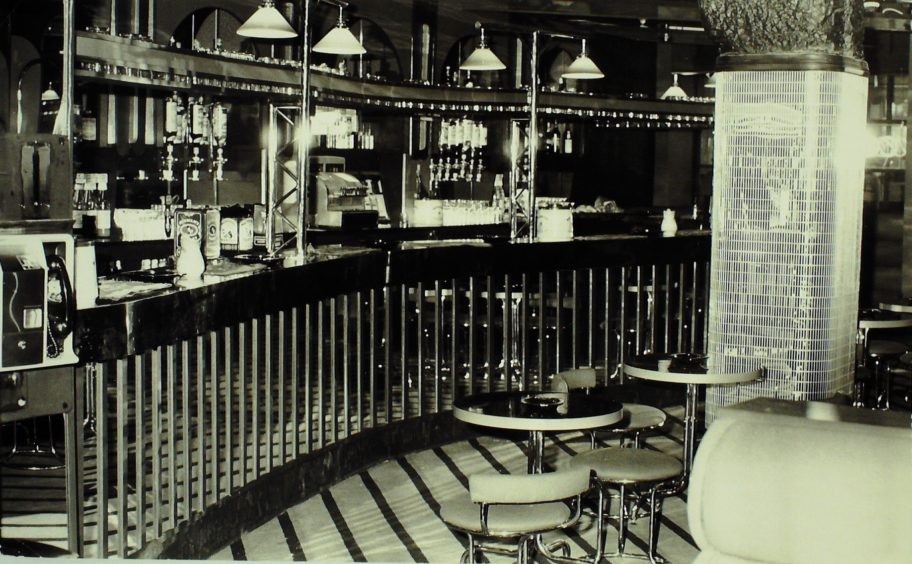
x=788, y=489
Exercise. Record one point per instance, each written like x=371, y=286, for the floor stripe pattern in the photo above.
x=389, y=512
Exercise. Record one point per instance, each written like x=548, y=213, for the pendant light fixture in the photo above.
x=583, y=68
x=50, y=95
x=710, y=81
x=340, y=40
x=674, y=91
x=267, y=23
x=482, y=58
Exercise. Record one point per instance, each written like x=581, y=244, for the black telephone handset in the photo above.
x=62, y=311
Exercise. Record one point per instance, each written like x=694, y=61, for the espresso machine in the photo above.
x=342, y=200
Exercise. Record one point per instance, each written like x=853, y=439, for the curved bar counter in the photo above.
x=218, y=405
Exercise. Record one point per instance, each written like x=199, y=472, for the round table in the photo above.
x=889, y=316
x=537, y=412
x=689, y=369
x=899, y=306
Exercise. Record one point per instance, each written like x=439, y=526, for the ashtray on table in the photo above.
x=687, y=361
x=161, y=274
x=544, y=400
x=261, y=258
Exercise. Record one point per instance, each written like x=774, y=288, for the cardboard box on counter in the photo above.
x=140, y=224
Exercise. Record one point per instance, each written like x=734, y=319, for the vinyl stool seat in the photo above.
x=517, y=506
x=629, y=466
x=462, y=514
x=643, y=416
x=636, y=474
x=638, y=419
x=886, y=349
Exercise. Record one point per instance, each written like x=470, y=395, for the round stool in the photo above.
x=638, y=418
x=861, y=385
x=884, y=353
x=635, y=473
x=903, y=374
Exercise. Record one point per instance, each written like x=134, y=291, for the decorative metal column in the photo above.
x=791, y=100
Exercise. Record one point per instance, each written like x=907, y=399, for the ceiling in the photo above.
x=644, y=20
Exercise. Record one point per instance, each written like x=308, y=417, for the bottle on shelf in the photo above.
x=219, y=130
x=103, y=208
x=568, y=141
x=548, y=140
x=199, y=134
x=77, y=123
x=87, y=124
x=79, y=200
x=555, y=139
x=175, y=132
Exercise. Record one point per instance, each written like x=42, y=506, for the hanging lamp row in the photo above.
x=268, y=23
x=483, y=59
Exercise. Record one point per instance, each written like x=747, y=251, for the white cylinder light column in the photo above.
x=788, y=183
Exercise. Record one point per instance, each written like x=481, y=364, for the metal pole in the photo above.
x=303, y=135
x=533, y=137
x=269, y=172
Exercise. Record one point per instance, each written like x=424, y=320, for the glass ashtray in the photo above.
x=684, y=361
x=544, y=400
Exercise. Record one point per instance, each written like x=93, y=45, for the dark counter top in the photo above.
x=191, y=308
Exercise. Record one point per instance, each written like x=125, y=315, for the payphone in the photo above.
x=37, y=301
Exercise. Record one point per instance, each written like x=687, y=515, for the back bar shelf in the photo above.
x=136, y=62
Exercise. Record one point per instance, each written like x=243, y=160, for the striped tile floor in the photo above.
x=389, y=512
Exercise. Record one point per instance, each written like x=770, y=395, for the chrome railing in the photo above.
x=183, y=426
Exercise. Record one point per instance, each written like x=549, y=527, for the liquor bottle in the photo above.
x=79, y=200
x=175, y=119
x=199, y=134
x=77, y=123
x=219, y=128
x=549, y=141
x=199, y=121
x=88, y=125
x=102, y=208
x=556, y=139
x=568, y=141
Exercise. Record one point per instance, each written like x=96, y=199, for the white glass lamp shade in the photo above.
x=583, y=68
x=674, y=91
x=267, y=23
x=340, y=41
x=50, y=95
x=482, y=59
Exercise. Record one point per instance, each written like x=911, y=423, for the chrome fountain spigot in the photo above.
x=168, y=163
x=219, y=162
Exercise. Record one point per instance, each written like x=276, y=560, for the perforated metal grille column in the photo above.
x=786, y=220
